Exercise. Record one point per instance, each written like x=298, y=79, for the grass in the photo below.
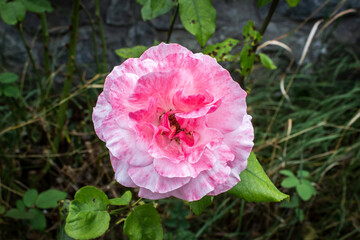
x=318, y=131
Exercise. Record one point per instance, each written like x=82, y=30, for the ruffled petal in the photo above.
x=121, y=174
x=100, y=112
x=160, y=52
x=122, y=142
x=148, y=178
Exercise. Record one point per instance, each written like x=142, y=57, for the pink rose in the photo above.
x=175, y=124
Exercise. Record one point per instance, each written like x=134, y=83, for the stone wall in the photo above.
x=124, y=27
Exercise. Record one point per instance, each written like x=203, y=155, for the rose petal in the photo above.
x=121, y=174
x=100, y=112
x=148, y=178
x=158, y=53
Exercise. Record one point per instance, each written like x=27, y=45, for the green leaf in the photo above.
x=294, y=203
x=250, y=33
x=300, y=214
x=261, y=3
x=38, y=222
x=293, y=3
x=11, y=91
x=88, y=214
x=2, y=209
x=266, y=61
x=143, y=223
x=303, y=174
x=255, y=185
x=290, y=182
x=247, y=58
x=154, y=8
x=141, y=2
x=20, y=205
x=287, y=173
x=308, y=183
x=198, y=206
x=63, y=211
x=49, y=198
x=8, y=77
x=19, y=214
x=37, y=6
x=123, y=200
x=304, y=191
x=12, y=12
x=30, y=197
x=221, y=50
x=198, y=18
x=133, y=52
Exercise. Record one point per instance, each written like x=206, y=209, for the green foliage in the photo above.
x=221, y=50
x=49, y=198
x=266, y=61
x=255, y=186
x=293, y=3
x=250, y=33
x=63, y=212
x=8, y=77
x=303, y=187
x=123, y=200
x=261, y=3
x=133, y=52
x=88, y=214
x=154, y=8
x=12, y=12
x=199, y=206
x=247, y=58
x=143, y=223
x=37, y=6
x=198, y=17
x=30, y=197
x=19, y=214
x=8, y=86
x=38, y=221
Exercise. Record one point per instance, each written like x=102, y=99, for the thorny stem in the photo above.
x=46, y=41
x=101, y=31
x=93, y=35
x=38, y=77
x=69, y=74
x=173, y=19
x=264, y=26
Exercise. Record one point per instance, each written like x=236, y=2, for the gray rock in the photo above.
x=119, y=13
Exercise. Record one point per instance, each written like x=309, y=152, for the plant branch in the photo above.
x=69, y=74
x=46, y=41
x=173, y=19
x=102, y=36
x=266, y=22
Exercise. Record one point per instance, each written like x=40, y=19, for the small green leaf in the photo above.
x=37, y=6
x=141, y=2
x=255, y=185
x=261, y=3
x=247, y=58
x=20, y=205
x=63, y=211
x=143, y=223
x=250, y=33
x=198, y=17
x=308, y=183
x=221, y=50
x=123, y=200
x=88, y=214
x=290, y=182
x=49, y=198
x=2, y=209
x=304, y=191
x=8, y=77
x=266, y=61
x=19, y=214
x=293, y=3
x=154, y=8
x=198, y=206
x=38, y=222
x=30, y=197
x=294, y=203
x=287, y=173
x=12, y=12
x=11, y=91
x=133, y=52
x=303, y=174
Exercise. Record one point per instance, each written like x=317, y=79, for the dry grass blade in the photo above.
x=334, y=18
x=309, y=40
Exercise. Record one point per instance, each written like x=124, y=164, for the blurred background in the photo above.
x=305, y=113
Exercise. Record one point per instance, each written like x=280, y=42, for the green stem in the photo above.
x=173, y=19
x=69, y=73
x=269, y=16
x=102, y=36
x=93, y=35
x=46, y=41
x=38, y=77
